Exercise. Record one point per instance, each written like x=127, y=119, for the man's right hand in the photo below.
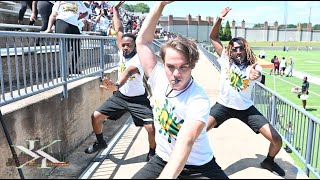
x=116, y=7
x=108, y=85
x=224, y=12
x=166, y=2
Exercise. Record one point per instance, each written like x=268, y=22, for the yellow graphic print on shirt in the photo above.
x=122, y=67
x=70, y=7
x=169, y=126
x=237, y=79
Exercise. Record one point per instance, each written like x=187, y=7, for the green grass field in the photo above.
x=306, y=62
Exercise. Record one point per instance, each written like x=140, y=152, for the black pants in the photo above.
x=71, y=44
x=45, y=9
x=23, y=8
x=154, y=167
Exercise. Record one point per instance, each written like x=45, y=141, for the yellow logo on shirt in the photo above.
x=164, y=115
x=70, y=7
x=122, y=67
x=238, y=82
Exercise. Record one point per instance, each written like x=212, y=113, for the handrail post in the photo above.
x=102, y=60
x=273, y=110
x=309, y=146
x=63, y=55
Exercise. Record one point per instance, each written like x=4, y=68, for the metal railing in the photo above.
x=302, y=138
x=35, y=62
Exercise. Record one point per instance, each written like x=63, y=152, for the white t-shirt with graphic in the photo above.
x=171, y=113
x=235, y=86
x=69, y=11
x=134, y=85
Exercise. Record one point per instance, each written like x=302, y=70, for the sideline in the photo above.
x=290, y=83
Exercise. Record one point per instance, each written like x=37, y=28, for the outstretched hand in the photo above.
x=166, y=2
x=108, y=85
x=224, y=12
x=255, y=72
x=118, y=5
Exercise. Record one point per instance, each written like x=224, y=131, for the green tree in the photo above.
x=221, y=34
x=141, y=7
x=259, y=25
x=291, y=26
x=316, y=27
x=227, y=32
x=128, y=7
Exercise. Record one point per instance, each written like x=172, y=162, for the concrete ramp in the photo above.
x=238, y=150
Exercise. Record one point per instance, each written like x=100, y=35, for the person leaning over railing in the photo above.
x=239, y=71
x=180, y=108
x=67, y=16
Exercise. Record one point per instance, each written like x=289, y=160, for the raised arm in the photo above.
x=117, y=23
x=146, y=35
x=214, y=34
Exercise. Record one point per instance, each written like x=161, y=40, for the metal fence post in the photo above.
x=102, y=57
x=63, y=55
x=273, y=110
x=309, y=146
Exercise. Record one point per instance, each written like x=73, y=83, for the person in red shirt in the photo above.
x=276, y=66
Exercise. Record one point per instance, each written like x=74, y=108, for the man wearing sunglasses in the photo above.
x=129, y=93
x=239, y=71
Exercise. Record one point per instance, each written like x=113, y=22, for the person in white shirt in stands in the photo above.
x=66, y=15
x=180, y=108
x=103, y=22
x=87, y=20
x=239, y=71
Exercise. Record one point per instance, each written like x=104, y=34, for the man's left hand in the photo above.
x=254, y=72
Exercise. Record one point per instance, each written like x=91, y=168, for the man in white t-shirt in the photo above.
x=180, y=108
x=129, y=93
x=283, y=65
x=239, y=71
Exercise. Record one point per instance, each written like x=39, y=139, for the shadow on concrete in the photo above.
x=121, y=161
x=137, y=159
x=255, y=162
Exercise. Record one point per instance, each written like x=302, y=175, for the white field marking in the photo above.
x=312, y=70
x=293, y=84
x=313, y=62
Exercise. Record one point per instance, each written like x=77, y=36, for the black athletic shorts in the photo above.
x=138, y=106
x=251, y=116
x=154, y=167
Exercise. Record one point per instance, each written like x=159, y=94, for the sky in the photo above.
x=252, y=12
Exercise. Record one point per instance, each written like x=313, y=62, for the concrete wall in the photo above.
x=48, y=116
x=200, y=29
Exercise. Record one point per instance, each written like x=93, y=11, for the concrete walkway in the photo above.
x=237, y=148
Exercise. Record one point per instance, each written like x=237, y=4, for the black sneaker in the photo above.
x=96, y=147
x=273, y=167
x=150, y=155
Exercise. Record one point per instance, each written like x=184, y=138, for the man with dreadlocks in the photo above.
x=239, y=71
